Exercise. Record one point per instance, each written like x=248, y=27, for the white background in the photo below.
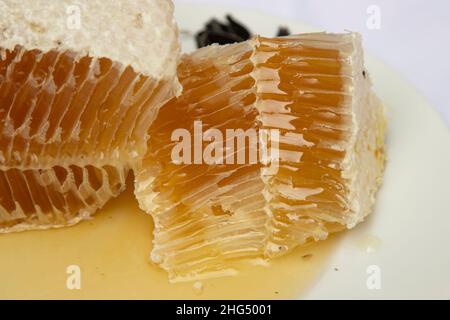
x=414, y=35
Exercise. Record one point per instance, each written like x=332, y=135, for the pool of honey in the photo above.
x=112, y=252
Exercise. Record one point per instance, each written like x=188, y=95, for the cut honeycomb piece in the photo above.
x=61, y=196
x=332, y=133
x=312, y=91
x=64, y=114
x=60, y=108
x=76, y=100
x=201, y=210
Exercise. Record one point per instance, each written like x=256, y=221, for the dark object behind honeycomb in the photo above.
x=231, y=31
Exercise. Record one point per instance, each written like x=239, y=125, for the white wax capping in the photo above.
x=139, y=33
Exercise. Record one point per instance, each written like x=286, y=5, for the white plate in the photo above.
x=406, y=241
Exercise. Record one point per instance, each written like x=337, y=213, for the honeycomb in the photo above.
x=38, y=199
x=71, y=127
x=313, y=92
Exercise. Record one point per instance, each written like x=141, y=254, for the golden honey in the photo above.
x=111, y=252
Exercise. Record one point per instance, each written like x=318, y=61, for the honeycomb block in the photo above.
x=71, y=126
x=312, y=92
